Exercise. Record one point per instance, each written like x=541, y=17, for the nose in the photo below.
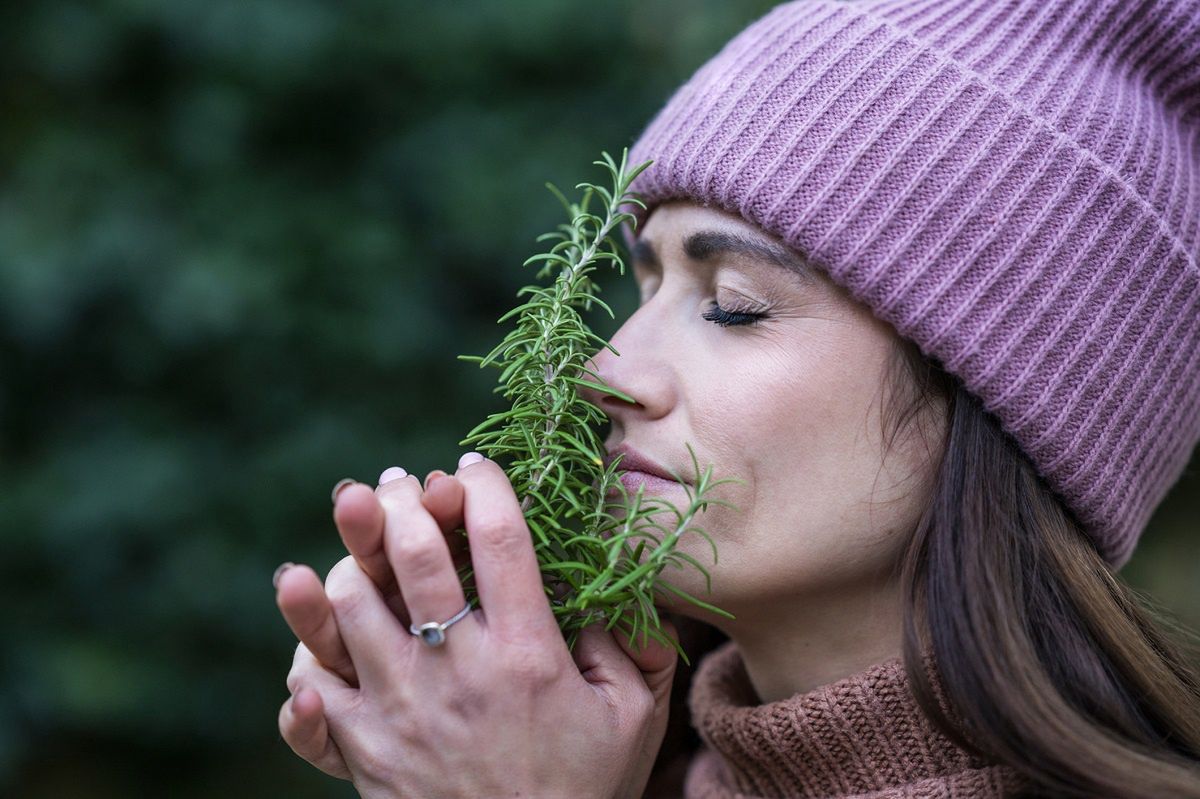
x=641, y=372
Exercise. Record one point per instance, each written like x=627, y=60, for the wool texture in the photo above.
x=1014, y=185
x=863, y=736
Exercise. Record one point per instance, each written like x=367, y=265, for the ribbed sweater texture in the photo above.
x=863, y=736
x=1012, y=184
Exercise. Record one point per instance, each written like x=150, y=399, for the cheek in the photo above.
x=766, y=422
x=802, y=429
x=780, y=415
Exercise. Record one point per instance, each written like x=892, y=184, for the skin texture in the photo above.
x=359, y=517
x=791, y=405
x=503, y=708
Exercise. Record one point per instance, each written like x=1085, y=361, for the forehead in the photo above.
x=675, y=216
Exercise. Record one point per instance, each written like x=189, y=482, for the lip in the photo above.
x=636, y=468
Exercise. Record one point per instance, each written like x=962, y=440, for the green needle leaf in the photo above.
x=596, y=567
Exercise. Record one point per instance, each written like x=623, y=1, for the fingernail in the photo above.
x=434, y=476
x=468, y=458
x=279, y=572
x=339, y=485
x=391, y=473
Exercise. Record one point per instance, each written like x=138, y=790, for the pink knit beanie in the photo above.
x=1014, y=185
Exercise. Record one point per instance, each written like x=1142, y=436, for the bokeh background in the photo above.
x=241, y=244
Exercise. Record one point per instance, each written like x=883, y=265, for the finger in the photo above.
x=443, y=498
x=655, y=660
x=507, y=574
x=420, y=557
x=370, y=631
x=433, y=476
x=302, y=601
x=307, y=671
x=604, y=660
x=359, y=519
x=600, y=660
x=303, y=727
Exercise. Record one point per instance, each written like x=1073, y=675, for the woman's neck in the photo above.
x=814, y=640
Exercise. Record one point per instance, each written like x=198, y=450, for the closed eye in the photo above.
x=726, y=318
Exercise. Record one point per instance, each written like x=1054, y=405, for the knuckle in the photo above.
x=345, y=604
x=501, y=535
x=421, y=555
x=642, y=707
x=341, y=587
x=374, y=767
x=341, y=576
x=295, y=678
x=470, y=700
x=530, y=669
x=637, y=711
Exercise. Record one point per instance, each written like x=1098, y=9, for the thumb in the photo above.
x=608, y=660
x=623, y=674
x=654, y=659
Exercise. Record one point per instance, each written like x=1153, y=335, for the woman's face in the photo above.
x=790, y=403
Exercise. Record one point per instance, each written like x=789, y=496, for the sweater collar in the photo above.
x=861, y=735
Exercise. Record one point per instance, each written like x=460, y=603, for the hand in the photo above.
x=359, y=517
x=502, y=706
x=301, y=598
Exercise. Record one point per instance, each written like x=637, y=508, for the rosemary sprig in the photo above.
x=596, y=567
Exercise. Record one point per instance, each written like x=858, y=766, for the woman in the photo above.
x=923, y=274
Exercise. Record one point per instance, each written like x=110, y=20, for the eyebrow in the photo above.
x=705, y=245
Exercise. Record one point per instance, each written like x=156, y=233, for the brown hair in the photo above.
x=1048, y=662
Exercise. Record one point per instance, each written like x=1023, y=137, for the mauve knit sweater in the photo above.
x=862, y=736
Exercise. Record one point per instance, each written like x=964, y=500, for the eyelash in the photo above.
x=726, y=318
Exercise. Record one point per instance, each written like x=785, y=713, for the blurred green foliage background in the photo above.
x=241, y=244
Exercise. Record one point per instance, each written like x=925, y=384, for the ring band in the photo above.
x=433, y=634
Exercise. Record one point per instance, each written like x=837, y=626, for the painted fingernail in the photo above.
x=468, y=458
x=279, y=572
x=339, y=485
x=391, y=473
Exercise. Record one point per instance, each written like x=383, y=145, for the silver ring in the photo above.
x=433, y=633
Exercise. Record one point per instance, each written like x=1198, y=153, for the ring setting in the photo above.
x=433, y=634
